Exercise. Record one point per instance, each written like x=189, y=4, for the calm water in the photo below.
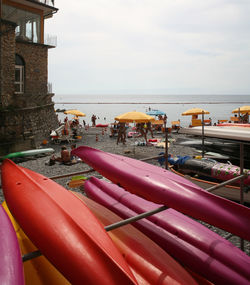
x=107, y=107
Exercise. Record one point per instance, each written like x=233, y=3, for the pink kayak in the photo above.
x=189, y=242
x=11, y=266
x=163, y=187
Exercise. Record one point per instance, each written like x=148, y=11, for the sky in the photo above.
x=150, y=47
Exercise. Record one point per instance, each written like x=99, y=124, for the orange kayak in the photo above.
x=76, y=244
x=150, y=264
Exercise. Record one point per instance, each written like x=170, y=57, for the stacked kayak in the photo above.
x=38, y=270
x=148, y=262
x=77, y=245
x=192, y=244
x=11, y=268
x=163, y=187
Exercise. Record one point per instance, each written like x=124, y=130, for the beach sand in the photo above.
x=100, y=139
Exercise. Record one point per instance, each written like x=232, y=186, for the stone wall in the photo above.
x=36, y=73
x=25, y=119
x=26, y=128
x=7, y=63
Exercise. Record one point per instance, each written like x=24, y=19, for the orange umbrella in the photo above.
x=242, y=109
x=195, y=111
x=137, y=117
x=75, y=113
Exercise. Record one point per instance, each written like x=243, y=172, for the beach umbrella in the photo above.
x=195, y=111
x=134, y=117
x=75, y=113
x=156, y=113
x=242, y=109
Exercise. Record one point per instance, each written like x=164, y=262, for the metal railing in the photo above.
x=47, y=2
x=50, y=40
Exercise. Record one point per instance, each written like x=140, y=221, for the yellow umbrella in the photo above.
x=137, y=117
x=195, y=111
x=242, y=109
x=75, y=113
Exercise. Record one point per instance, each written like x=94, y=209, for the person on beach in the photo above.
x=165, y=119
x=121, y=133
x=65, y=155
x=93, y=119
x=64, y=158
x=72, y=157
x=140, y=129
x=149, y=129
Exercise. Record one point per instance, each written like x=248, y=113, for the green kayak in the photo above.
x=27, y=153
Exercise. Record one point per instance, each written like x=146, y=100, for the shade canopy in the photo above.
x=75, y=113
x=134, y=116
x=242, y=109
x=155, y=113
x=195, y=111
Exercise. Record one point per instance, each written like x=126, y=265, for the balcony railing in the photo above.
x=47, y=2
x=50, y=40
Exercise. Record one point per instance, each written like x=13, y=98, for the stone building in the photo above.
x=26, y=108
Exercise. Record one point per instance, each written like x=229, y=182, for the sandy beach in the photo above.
x=100, y=138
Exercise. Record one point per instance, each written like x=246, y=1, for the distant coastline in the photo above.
x=155, y=103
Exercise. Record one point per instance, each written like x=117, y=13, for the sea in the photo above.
x=107, y=107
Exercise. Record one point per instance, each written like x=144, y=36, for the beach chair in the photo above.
x=235, y=119
x=60, y=137
x=176, y=125
x=222, y=121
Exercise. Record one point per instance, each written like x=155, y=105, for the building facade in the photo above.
x=26, y=108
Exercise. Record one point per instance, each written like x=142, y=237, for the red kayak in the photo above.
x=63, y=228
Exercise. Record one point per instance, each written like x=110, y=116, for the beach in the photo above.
x=99, y=138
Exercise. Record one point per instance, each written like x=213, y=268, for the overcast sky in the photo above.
x=150, y=47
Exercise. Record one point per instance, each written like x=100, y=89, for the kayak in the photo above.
x=232, y=133
x=11, y=268
x=39, y=270
x=209, y=168
x=149, y=263
x=189, y=242
x=227, y=191
x=239, y=125
x=49, y=216
x=163, y=187
x=26, y=153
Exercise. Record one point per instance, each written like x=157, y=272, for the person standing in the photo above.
x=121, y=133
x=149, y=128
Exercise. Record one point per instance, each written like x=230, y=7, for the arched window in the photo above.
x=19, y=74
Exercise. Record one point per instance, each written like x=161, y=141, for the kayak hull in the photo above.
x=189, y=242
x=149, y=263
x=163, y=187
x=11, y=268
x=39, y=270
x=49, y=216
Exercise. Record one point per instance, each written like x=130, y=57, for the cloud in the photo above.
x=107, y=46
